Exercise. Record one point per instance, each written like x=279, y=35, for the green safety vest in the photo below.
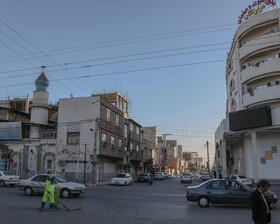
x=50, y=184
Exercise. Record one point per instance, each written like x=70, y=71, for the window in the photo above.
x=137, y=130
x=104, y=140
x=125, y=148
x=120, y=144
x=40, y=178
x=73, y=138
x=112, y=142
x=131, y=127
x=131, y=146
x=217, y=185
x=108, y=115
x=125, y=131
x=137, y=148
x=117, y=119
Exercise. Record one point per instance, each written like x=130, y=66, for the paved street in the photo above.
x=162, y=203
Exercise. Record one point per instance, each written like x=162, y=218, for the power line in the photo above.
x=130, y=60
x=129, y=55
x=116, y=62
x=35, y=47
x=121, y=72
x=27, y=51
x=144, y=37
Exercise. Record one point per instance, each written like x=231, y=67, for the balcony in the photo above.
x=263, y=95
x=111, y=152
x=262, y=42
x=264, y=68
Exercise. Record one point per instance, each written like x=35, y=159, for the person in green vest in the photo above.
x=49, y=192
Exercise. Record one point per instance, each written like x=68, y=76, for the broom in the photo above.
x=67, y=208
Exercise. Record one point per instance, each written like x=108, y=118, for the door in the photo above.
x=38, y=183
x=217, y=192
x=237, y=194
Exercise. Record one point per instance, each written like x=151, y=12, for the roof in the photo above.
x=42, y=77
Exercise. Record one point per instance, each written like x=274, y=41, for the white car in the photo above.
x=205, y=176
x=186, y=178
x=169, y=176
x=7, y=179
x=37, y=183
x=159, y=176
x=240, y=178
x=122, y=179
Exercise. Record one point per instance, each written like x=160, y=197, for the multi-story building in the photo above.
x=97, y=139
x=247, y=141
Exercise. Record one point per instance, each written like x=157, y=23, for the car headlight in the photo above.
x=275, y=196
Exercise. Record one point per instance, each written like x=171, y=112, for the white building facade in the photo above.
x=253, y=81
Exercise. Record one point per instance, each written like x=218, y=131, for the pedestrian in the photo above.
x=260, y=204
x=49, y=192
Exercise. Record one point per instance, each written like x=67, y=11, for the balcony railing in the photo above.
x=265, y=67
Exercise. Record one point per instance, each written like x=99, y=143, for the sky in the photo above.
x=167, y=57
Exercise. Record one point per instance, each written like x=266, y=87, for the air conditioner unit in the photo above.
x=61, y=162
x=277, y=82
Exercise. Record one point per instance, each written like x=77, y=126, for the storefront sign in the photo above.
x=254, y=9
x=10, y=130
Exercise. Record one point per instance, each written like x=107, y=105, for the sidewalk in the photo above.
x=101, y=183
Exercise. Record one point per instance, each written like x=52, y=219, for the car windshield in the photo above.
x=242, y=177
x=186, y=174
x=59, y=179
x=121, y=175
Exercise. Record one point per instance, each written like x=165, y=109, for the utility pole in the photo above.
x=85, y=163
x=208, y=165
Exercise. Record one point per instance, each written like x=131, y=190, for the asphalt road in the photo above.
x=163, y=202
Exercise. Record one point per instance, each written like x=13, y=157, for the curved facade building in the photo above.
x=253, y=80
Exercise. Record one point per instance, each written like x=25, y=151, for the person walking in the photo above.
x=260, y=204
x=49, y=192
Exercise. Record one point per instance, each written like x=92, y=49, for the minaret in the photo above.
x=39, y=106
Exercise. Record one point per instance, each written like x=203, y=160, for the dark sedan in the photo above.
x=144, y=177
x=219, y=191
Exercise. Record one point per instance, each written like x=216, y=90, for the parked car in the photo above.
x=186, y=178
x=144, y=177
x=122, y=179
x=8, y=179
x=169, y=176
x=194, y=174
x=219, y=191
x=240, y=178
x=205, y=176
x=159, y=176
x=36, y=184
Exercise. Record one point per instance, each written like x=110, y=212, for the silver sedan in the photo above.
x=36, y=184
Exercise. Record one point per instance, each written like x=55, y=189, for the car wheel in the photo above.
x=12, y=185
x=203, y=202
x=28, y=191
x=130, y=183
x=65, y=193
x=2, y=183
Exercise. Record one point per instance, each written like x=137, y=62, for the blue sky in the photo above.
x=186, y=99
